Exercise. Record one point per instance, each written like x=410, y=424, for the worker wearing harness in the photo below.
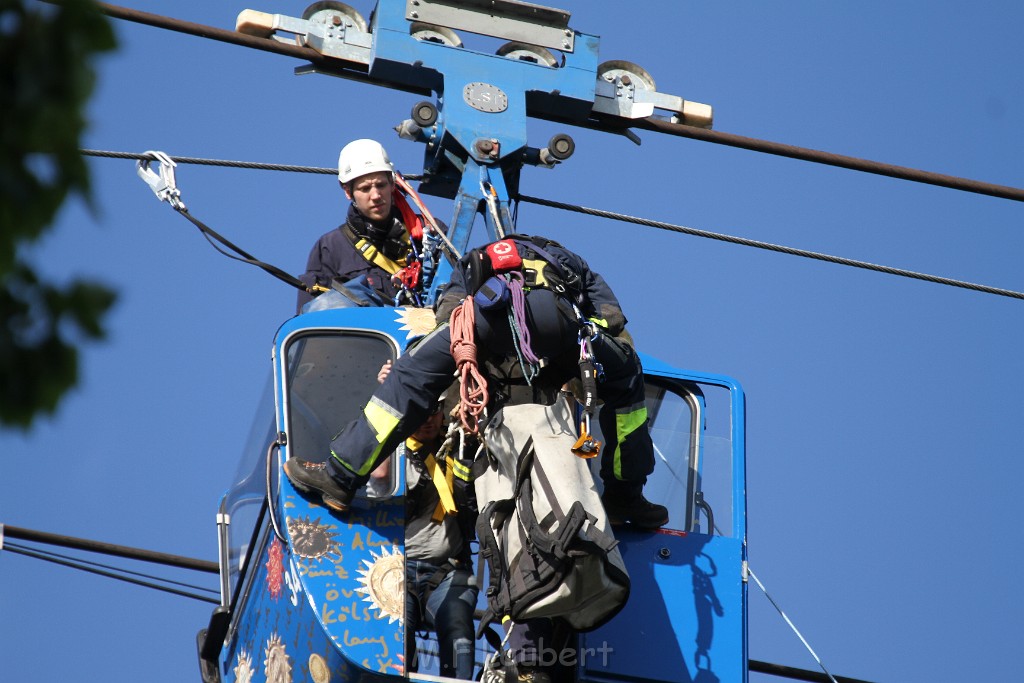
x=549, y=310
x=380, y=243
x=440, y=514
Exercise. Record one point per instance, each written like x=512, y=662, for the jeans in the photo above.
x=448, y=611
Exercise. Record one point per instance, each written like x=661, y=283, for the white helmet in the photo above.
x=360, y=157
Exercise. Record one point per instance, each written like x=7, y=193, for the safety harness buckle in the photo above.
x=162, y=184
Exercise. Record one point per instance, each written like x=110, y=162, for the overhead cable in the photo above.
x=56, y=559
x=771, y=247
x=356, y=71
x=109, y=549
x=830, y=159
x=607, y=214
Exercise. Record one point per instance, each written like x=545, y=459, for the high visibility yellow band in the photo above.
x=462, y=471
x=443, y=484
x=626, y=424
x=382, y=419
x=373, y=255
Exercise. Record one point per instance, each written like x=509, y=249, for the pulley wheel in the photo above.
x=435, y=34
x=630, y=73
x=527, y=53
x=332, y=12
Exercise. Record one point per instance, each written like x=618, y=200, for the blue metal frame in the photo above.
x=396, y=56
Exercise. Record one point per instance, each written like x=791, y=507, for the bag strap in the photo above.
x=493, y=516
x=571, y=280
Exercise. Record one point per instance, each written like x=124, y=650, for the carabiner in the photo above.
x=586, y=446
x=163, y=185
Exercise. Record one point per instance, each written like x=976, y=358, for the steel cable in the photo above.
x=803, y=253
x=771, y=247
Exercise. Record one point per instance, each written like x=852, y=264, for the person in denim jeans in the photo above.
x=440, y=591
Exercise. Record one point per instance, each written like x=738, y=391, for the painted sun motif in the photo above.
x=276, y=666
x=318, y=669
x=311, y=539
x=416, y=321
x=243, y=669
x=384, y=583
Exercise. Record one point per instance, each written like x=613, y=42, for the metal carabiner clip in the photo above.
x=163, y=185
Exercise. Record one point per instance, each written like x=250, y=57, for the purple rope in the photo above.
x=518, y=317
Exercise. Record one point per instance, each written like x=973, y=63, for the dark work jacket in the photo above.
x=335, y=256
x=599, y=300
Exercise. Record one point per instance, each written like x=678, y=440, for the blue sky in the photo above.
x=884, y=456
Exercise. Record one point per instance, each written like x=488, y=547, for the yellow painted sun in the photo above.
x=416, y=321
x=384, y=583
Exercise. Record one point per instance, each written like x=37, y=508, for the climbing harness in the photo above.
x=472, y=387
x=166, y=190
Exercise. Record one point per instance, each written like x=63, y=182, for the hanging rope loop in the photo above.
x=472, y=384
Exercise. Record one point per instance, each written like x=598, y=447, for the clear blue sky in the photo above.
x=884, y=448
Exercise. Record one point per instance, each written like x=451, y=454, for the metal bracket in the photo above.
x=162, y=184
x=334, y=34
x=508, y=19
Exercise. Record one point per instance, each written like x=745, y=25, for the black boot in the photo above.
x=626, y=505
x=313, y=477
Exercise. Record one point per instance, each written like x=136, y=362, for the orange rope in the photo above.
x=472, y=385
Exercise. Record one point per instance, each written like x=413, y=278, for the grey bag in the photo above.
x=542, y=527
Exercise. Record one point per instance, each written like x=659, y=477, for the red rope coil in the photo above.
x=472, y=385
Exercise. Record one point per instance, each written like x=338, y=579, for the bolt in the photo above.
x=336, y=20
x=415, y=15
x=626, y=80
x=485, y=146
x=565, y=43
x=664, y=553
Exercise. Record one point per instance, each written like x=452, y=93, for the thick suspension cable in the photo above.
x=771, y=247
x=830, y=159
x=357, y=71
x=108, y=549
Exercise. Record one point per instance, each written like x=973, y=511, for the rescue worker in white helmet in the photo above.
x=562, y=303
x=378, y=245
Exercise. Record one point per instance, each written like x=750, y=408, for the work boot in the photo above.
x=630, y=507
x=313, y=477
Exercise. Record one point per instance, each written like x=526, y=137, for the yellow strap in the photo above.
x=443, y=484
x=373, y=255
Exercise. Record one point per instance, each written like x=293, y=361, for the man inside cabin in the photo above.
x=526, y=298
x=440, y=514
x=378, y=247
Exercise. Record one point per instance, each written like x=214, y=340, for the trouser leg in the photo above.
x=413, y=587
x=396, y=409
x=628, y=454
x=450, y=608
x=530, y=643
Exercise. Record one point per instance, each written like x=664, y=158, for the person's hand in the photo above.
x=384, y=371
